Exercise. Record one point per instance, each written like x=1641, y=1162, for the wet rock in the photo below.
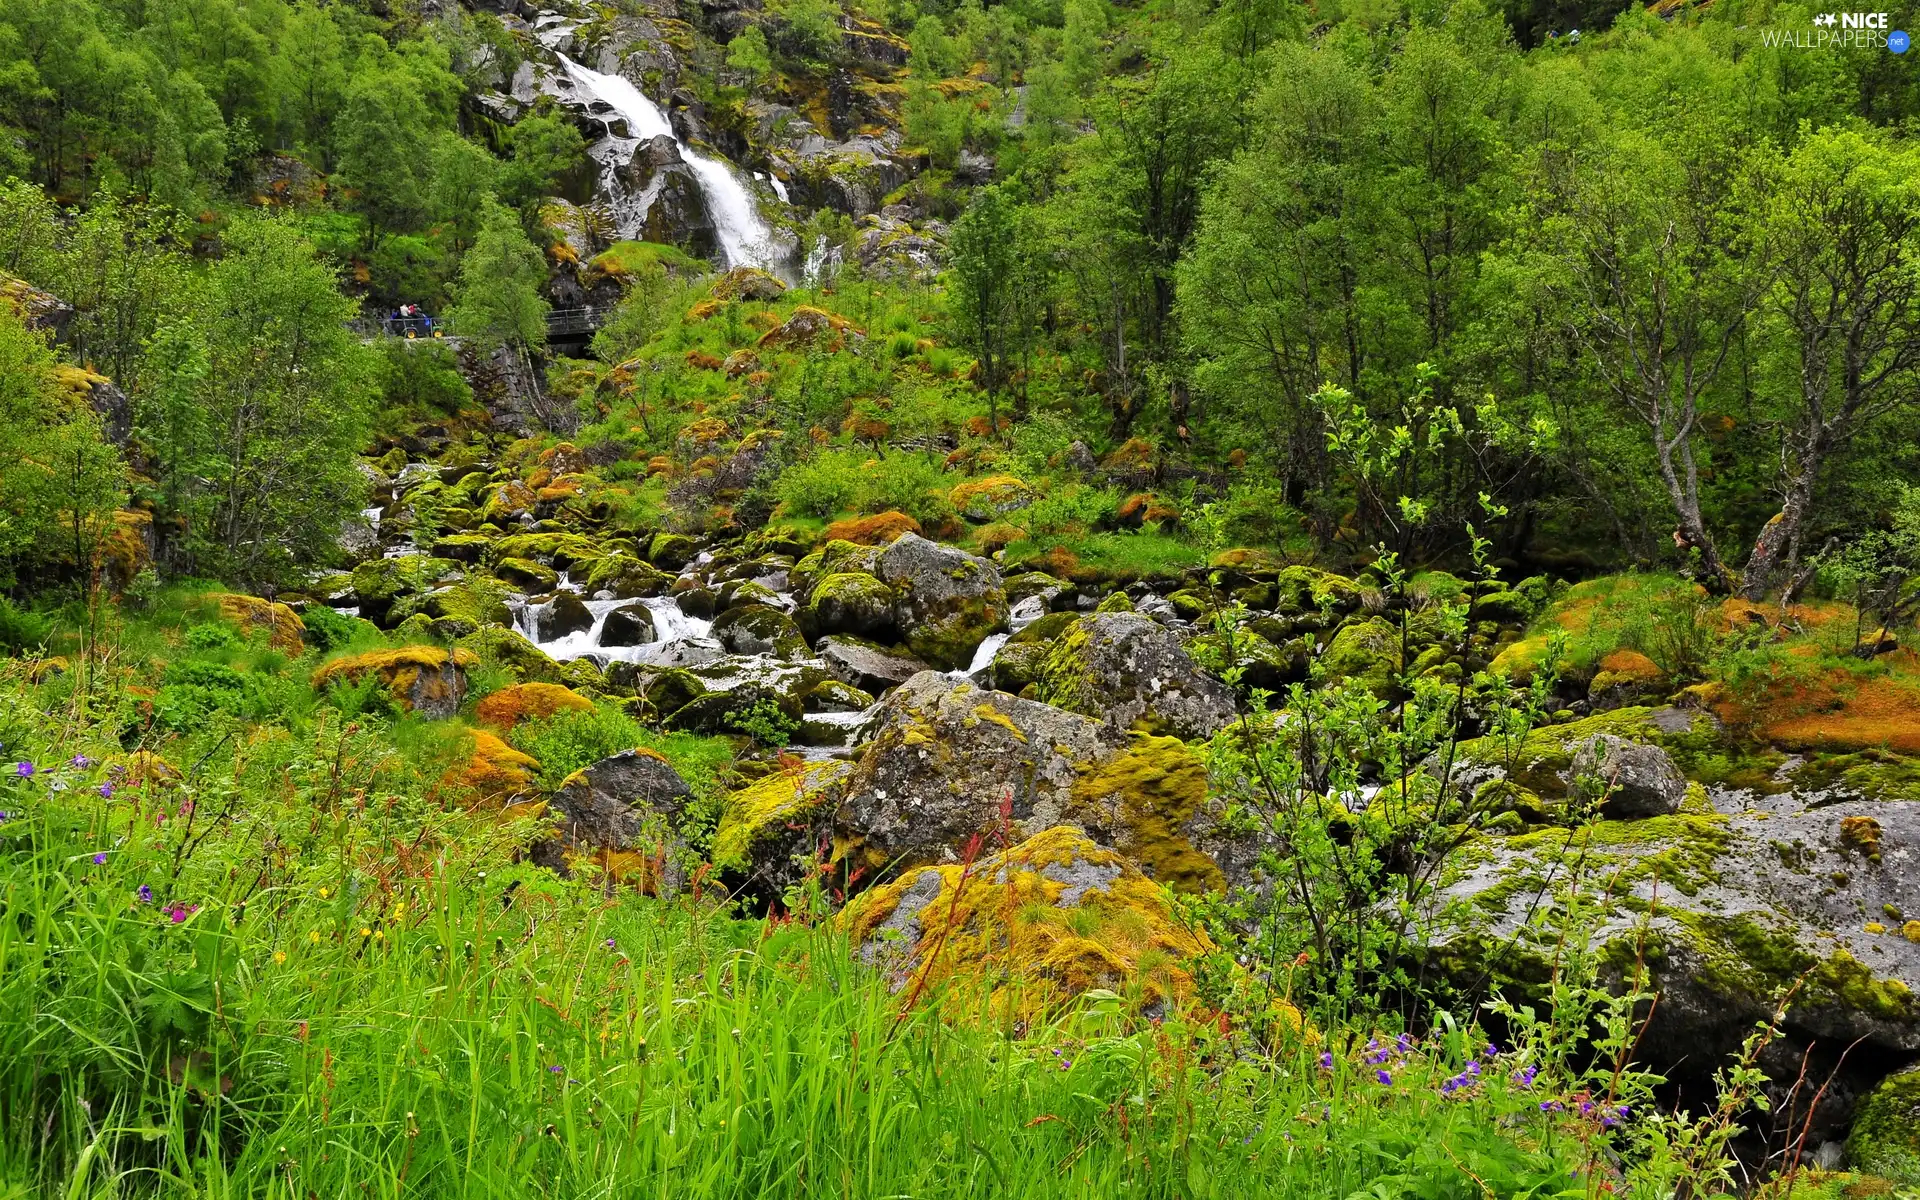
x=526, y=574
x=627, y=577
x=867, y=666
x=947, y=601
x=758, y=629
x=628, y=625
x=560, y=615
x=1127, y=671
x=1632, y=779
x=851, y=602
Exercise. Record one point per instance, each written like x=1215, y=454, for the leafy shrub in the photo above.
x=328, y=629
x=212, y=636
x=764, y=723
x=910, y=483
x=22, y=629
x=193, y=691
x=819, y=487
x=570, y=740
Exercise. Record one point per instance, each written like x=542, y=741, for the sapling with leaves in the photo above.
x=1354, y=787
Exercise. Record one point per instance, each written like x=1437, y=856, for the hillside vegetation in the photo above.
x=1180, y=599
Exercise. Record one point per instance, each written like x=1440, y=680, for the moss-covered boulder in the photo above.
x=1127, y=671
x=758, y=629
x=1744, y=895
x=560, y=550
x=771, y=829
x=1016, y=666
x=493, y=773
x=1028, y=929
x=477, y=600
x=282, y=627
x=1886, y=1128
x=875, y=530
x=943, y=756
x=622, y=814
x=526, y=574
x=833, y=558
x=379, y=583
x=508, y=648
x=946, y=601
x=990, y=498
x=835, y=696
x=1365, y=654
x=1300, y=589
x=853, y=603
x=506, y=708
x=428, y=681
x=671, y=551
x=627, y=577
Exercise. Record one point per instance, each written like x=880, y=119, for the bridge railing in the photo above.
x=561, y=322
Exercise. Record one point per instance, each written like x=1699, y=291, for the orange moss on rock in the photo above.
x=875, y=530
x=1837, y=713
x=1031, y=928
x=703, y=361
x=509, y=706
x=493, y=773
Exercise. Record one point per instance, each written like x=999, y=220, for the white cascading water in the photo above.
x=745, y=238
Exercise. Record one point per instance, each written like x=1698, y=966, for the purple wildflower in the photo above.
x=1525, y=1078
x=555, y=1069
x=100, y=858
x=1491, y=1052
x=177, y=913
x=610, y=943
x=1383, y=1077
x=1473, y=1068
x=145, y=893
x=1551, y=1106
x=106, y=791
x=1586, y=1108
x=1326, y=1060
x=24, y=770
x=79, y=762
x=1403, y=1043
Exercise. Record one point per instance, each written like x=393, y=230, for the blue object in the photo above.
x=1898, y=41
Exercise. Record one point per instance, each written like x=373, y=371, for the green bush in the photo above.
x=193, y=691
x=819, y=487
x=329, y=630
x=22, y=629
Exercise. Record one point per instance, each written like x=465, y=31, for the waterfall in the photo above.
x=745, y=238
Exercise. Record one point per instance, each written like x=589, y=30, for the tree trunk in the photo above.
x=1778, y=546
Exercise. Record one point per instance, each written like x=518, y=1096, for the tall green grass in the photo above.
x=330, y=988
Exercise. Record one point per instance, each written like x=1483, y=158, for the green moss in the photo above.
x=1365, y=653
x=1157, y=784
x=1873, y=774
x=765, y=808
x=1886, y=1128
x=1746, y=957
